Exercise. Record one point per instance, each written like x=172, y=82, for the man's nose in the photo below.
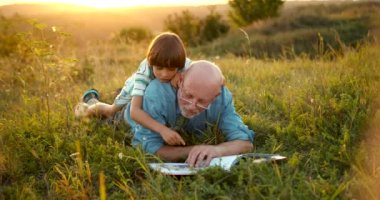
x=193, y=105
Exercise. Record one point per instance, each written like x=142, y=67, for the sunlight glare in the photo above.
x=132, y=3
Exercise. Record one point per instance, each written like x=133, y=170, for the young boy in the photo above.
x=166, y=57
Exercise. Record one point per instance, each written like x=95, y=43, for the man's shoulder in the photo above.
x=225, y=93
x=154, y=84
x=155, y=87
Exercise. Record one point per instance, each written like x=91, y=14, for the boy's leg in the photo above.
x=100, y=109
x=97, y=108
x=91, y=96
x=88, y=107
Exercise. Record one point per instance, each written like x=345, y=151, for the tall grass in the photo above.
x=312, y=111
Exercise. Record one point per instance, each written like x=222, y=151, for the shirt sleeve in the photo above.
x=155, y=105
x=230, y=122
x=187, y=64
x=124, y=97
x=142, y=79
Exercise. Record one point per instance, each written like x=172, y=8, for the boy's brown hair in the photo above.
x=166, y=50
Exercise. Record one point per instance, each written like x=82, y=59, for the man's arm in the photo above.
x=173, y=153
x=201, y=155
x=230, y=122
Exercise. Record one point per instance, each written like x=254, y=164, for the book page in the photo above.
x=174, y=168
x=225, y=162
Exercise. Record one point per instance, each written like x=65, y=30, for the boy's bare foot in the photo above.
x=80, y=110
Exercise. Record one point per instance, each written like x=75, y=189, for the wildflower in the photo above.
x=120, y=155
x=74, y=154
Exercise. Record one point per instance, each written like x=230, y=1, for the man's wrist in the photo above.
x=218, y=151
x=172, y=153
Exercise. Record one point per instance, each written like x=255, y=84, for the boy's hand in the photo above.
x=172, y=138
x=175, y=80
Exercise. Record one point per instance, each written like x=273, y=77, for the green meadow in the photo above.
x=317, y=104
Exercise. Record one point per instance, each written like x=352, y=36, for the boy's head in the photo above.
x=166, y=51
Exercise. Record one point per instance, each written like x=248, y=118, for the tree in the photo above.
x=213, y=26
x=134, y=34
x=195, y=31
x=186, y=25
x=244, y=12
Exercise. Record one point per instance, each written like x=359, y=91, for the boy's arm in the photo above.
x=175, y=80
x=138, y=115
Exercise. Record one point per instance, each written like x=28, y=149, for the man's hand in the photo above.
x=201, y=155
x=171, y=137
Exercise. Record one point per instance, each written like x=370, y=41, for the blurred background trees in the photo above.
x=186, y=25
x=244, y=12
x=134, y=34
x=196, y=31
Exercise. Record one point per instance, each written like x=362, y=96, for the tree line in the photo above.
x=196, y=31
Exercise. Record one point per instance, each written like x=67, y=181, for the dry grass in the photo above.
x=367, y=171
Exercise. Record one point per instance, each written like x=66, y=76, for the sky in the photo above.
x=120, y=3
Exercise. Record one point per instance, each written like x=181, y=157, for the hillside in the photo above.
x=309, y=30
x=89, y=24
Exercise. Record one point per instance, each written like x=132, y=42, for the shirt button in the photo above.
x=144, y=138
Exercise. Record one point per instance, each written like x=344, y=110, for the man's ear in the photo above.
x=181, y=77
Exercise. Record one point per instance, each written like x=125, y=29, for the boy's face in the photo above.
x=164, y=74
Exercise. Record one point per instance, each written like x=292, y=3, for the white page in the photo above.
x=225, y=162
x=174, y=168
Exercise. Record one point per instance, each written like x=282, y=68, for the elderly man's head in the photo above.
x=199, y=86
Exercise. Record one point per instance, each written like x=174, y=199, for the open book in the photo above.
x=225, y=162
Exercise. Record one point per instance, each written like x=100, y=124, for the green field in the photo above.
x=317, y=109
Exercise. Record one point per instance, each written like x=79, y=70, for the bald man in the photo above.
x=202, y=98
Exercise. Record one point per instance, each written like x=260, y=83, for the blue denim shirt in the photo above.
x=160, y=102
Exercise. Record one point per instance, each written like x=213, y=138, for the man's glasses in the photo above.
x=198, y=105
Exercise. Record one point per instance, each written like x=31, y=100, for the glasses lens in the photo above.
x=187, y=101
x=199, y=106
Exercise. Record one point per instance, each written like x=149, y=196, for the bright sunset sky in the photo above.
x=119, y=3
